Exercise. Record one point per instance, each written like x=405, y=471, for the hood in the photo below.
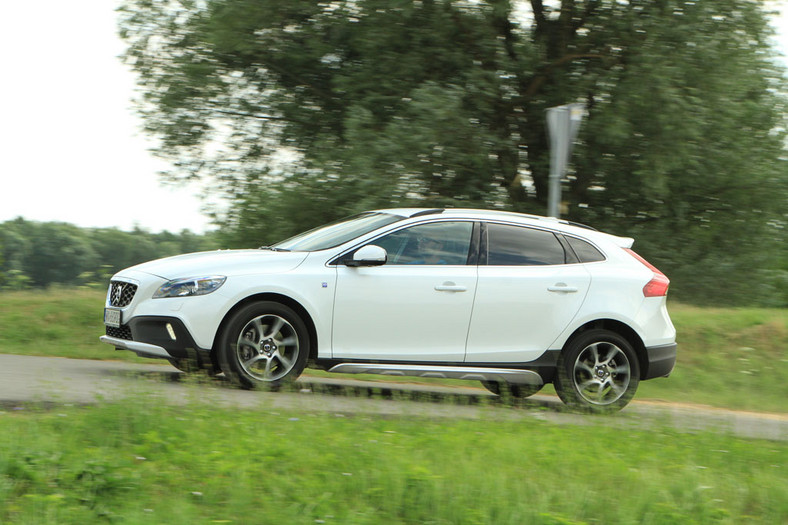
x=222, y=262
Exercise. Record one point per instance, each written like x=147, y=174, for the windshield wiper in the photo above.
x=273, y=249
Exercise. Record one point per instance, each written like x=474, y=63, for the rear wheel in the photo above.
x=520, y=391
x=264, y=343
x=598, y=370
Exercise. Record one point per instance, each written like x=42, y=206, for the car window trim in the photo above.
x=475, y=247
x=484, y=246
x=570, y=257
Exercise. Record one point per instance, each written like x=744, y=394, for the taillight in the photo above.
x=658, y=285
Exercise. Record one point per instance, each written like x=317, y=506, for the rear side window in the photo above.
x=517, y=246
x=585, y=251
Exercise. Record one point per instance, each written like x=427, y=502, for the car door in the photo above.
x=525, y=297
x=418, y=305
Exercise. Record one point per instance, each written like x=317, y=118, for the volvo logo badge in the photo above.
x=117, y=293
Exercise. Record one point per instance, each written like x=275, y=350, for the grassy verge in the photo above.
x=154, y=463
x=728, y=357
x=62, y=322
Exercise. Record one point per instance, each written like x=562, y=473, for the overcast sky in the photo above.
x=70, y=146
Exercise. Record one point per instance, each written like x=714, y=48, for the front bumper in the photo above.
x=661, y=360
x=141, y=349
x=156, y=336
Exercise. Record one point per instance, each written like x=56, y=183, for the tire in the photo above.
x=518, y=391
x=264, y=343
x=192, y=366
x=597, y=371
x=184, y=365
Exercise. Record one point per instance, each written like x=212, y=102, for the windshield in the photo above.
x=336, y=233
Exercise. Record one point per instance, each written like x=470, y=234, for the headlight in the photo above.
x=190, y=286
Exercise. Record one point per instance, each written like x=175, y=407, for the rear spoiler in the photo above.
x=625, y=242
x=621, y=242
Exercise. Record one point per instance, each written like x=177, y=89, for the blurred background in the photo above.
x=254, y=120
x=137, y=129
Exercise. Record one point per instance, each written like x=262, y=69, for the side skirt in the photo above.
x=501, y=375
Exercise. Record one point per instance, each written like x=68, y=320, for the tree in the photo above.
x=314, y=110
x=2, y=265
x=40, y=254
x=15, y=249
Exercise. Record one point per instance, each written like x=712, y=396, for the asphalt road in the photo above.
x=28, y=380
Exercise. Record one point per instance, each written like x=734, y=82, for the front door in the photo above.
x=417, y=306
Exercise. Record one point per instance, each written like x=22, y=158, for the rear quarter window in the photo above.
x=585, y=251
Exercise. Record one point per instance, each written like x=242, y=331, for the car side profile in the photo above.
x=514, y=301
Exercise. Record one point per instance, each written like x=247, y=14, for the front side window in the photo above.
x=518, y=246
x=434, y=243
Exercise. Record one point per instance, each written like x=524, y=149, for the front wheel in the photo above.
x=192, y=366
x=264, y=343
x=598, y=371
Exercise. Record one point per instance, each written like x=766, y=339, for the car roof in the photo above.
x=521, y=218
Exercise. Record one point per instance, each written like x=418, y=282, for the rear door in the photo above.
x=525, y=296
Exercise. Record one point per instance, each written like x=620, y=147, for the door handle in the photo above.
x=449, y=286
x=561, y=287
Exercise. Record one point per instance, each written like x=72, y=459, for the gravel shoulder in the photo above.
x=28, y=380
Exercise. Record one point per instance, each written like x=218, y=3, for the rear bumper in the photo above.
x=660, y=362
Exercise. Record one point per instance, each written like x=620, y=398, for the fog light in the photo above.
x=171, y=331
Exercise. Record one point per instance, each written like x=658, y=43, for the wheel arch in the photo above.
x=277, y=298
x=622, y=329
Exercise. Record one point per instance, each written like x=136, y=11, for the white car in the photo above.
x=514, y=301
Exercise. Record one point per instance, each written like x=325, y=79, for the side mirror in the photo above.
x=369, y=255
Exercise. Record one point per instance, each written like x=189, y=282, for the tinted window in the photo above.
x=517, y=246
x=435, y=243
x=585, y=251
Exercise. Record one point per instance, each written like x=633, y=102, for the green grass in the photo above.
x=142, y=461
x=64, y=322
x=728, y=357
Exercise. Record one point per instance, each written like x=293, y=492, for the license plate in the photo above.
x=112, y=317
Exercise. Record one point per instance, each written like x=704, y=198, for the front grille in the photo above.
x=121, y=293
x=123, y=332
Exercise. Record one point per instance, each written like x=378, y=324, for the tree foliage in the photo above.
x=299, y=112
x=38, y=254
